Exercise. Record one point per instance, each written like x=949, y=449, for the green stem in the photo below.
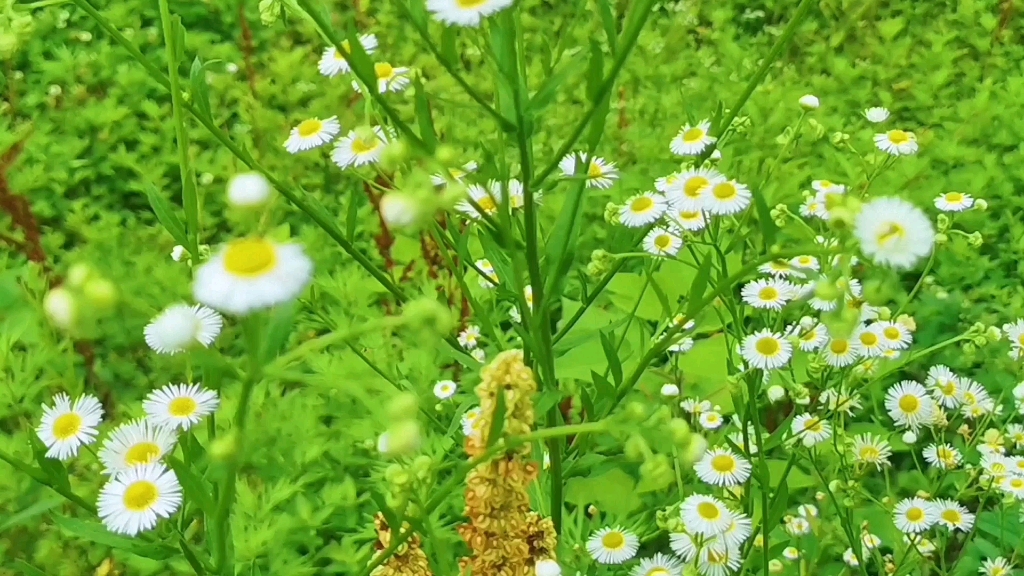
x=39, y=478
x=605, y=280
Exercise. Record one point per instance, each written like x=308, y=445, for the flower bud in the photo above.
x=429, y=314
x=101, y=293
x=61, y=308
x=394, y=154
x=909, y=437
x=224, y=447
x=611, y=213
x=636, y=448
x=775, y=565
x=695, y=449
x=178, y=252
x=403, y=438
x=249, y=190
x=981, y=204
x=636, y=411
x=78, y=275
x=403, y=407
x=399, y=210
x=775, y=393
x=680, y=431
x=670, y=390
x=809, y=102
x=447, y=155
x=548, y=567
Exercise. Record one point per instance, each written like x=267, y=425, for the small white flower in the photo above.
x=688, y=220
x=770, y=294
x=547, y=567
x=599, y=174
x=490, y=279
x=876, y=115
x=312, y=133
x=705, y=515
x=915, y=515
x=333, y=62
x=178, y=252
x=658, y=565
x=894, y=232
x=790, y=553
x=809, y=102
x=67, y=426
x=360, y=147
x=465, y=12
x=61, y=308
x=766, y=350
x=137, y=499
x=689, y=191
x=389, y=78
x=727, y=198
x=445, y=389
x=252, y=274
x=897, y=142
x=248, y=190
x=613, y=545
x=692, y=140
x=811, y=429
x=721, y=467
x=670, y=390
x=711, y=420
x=642, y=209
x=180, y=405
x=134, y=444
x=954, y=201
x=662, y=242
x=909, y=405
x=180, y=327
x=469, y=338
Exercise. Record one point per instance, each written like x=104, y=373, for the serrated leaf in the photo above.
x=165, y=215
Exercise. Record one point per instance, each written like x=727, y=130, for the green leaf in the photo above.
x=200, y=91
x=190, y=201
x=448, y=46
x=666, y=308
x=605, y=11
x=796, y=478
x=704, y=368
x=595, y=70
x=698, y=286
x=612, y=356
x=543, y=97
x=27, y=569
x=778, y=509
x=193, y=486
x=764, y=218
x=37, y=509
x=178, y=39
x=605, y=392
x=612, y=492
x=497, y=419
x=96, y=532
x=166, y=216
x=282, y=320
x=423, y=116
x=51, y=468
x=561, y=244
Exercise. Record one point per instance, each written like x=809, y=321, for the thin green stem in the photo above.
x=592, y=297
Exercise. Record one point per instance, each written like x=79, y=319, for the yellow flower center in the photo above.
x=141, y=496
x=813, y=425
x=779, y=266
x=725, y=191
x=384, y=70
x=948, y=388
x=310, y=127
x=688, y=216
x=67, y=426
x=869, y=339
x=708, y=511
x=945, y=455
x=613, y=540
x=825, y=184
x=768, y=294
x=869, y=453
x=487, y=204
x=658, y=572
x=364, y=145
x=767, y=346
x=1020, y=339
x=723, y=463
x=892, y=333
x=142, y=453
x=693, y=135
x=470, y=4
x=952, y=516
x=954, y=197
x=1017, y=483
x=182, y=407
x=595, y=170
x=839, y=347
x=251, y=257
x=909, y=403
x=641, y=205
x=695, y=185
x=915, y=514
x=663, y=242
x=898, y=137
x=805, y=261
x=345, y=46
x=892, y=231
x=809, y=336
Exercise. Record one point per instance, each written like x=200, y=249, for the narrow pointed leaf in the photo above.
x=699, y=285
x=165, y=215
x=612, y=356
x=498, y=419
x=423, y=117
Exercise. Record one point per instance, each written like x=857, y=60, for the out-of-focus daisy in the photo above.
x=66, y=426
x=811, y=429
x=897, y=142
x=944, y=386
x=954, y=201
x=692, y=139
x=840, y=352
x=489, y=278
x=135, y=443
x=683, y=545
x=180, y=327
x=360, y=147
x=915, y=515
x=840, y=399
x=827, y=186
x=720, y=467
x=766, y=350
x=642, y=209
x=689, y=191
x=996, y=567
x=850, y=557
x=711, y=420
x=465, y=12
x=180, y=405
x=469, y=338
x=777, y=268
x=681, y=344
x=665, y=183
x=599, y=174
x=547, y=567
x=705, y=515
x=798, y=526
x=471, y=422
x=333, y=62
x=613, y=545
x=954, y=516
x=135, y=500
x=252, y=274
x=876, y=114
x=715, y=561
x=389, y=78
x=248, y=190
x=689, y=220
x=813, y=208
x=694, y=406
x=813, y=338
x=658, y=565
x=445, y=389
x=487, y=200
x=312, y=133
x=662, y=242
x=805, y=263
x=943, y=456
x=893, y=232
x=771, y=294
x=909, y=405
x=455, y=174
x=728, y=197
x=873, y=450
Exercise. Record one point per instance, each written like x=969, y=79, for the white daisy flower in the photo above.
x=692, y=140
x=870, y=341
x=642, y=209
x=996, y=567
x=954, y=201
x=661, y=242
x=180, y=327
x=728, y=197
x=876, y=114
x=312, y=133
x=333, y=62
x=897, y=142
x=705, y=515
x=180, y=405
x=252, y=274
x=827, y=187
x=471, y=422
x=178, y=252
x=811, y=429
x=488, y=199
x=895, y=335
x=66, y=426
x=777, y=268
x=514, y=188
x=248, y=190
x=954, y=516
x=445, y=389
x=840, y=399
x=389, y=78
x=683, y=545
x=943, y=456
x=944, y=386
x=681, y=344
x=360, y=147
x=688, y=220
x=469, y=338
x=711, y=420
x=766, y=350
x=715, y=561
x=613, y=545
x=694, y=406
x=974, y=396
x=909, y=405
x=738, y=531
x=666, y=183
x=134, y=501
x=813, y=208
x=813, y=338
x=797, y=526
x=547, y=567
x=915, y=515
x=805, y=263
x=873, y=450
x=720, y=467
x=135, y=443
x=769, y=294
x=658, y=565
x=841, y=352
x=454, y=174
x=465, y=12
x=850, y=557
x=1013, y=486
x=894, y=232
x=690, y=190
x=490, y=280
x=600, y=173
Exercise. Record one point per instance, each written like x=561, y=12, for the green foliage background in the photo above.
x=97, y=132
